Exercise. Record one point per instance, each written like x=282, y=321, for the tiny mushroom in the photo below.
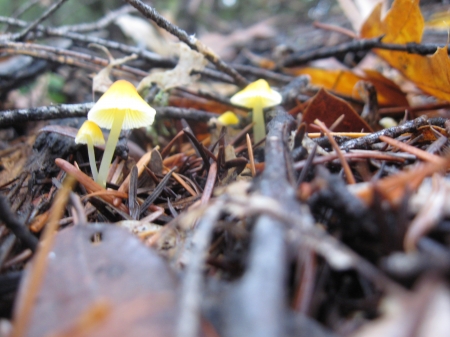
x=91, y=135
x=228, y=118
x=120, y=107
x=257, y=95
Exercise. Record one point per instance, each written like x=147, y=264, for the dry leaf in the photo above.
x=143, y=33
x=327, y=108
x=117, y=269
x=101, y=81
x=404, y=24
x=179, y=76
x=343, y=82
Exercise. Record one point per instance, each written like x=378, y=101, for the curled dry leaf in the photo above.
x=179, y=76
x=102, y=81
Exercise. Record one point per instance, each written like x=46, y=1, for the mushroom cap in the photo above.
x=259, y=89
x=122, y=98
x=89, y=131
x=228, y=118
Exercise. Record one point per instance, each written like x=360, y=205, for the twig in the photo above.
x=11, y=117
x=423, y=155
x=16, y=226
x=210, y=182
x=62, y=56
x=413, y=109
x=156, y=192
x=345, y=166
x=150, y=13
x=24, y=7
x=303, y=57
x=188, y=324
x=393, y=132
x=100, y=24
x=250, y=155
x=20, y=36
x=352, y=156
x=186, y=113
x=263, y=73
x=334, y=28
x=143, y=53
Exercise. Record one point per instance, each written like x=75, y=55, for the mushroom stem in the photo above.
x=92, y=162
x=259, y=127
x=109, y=149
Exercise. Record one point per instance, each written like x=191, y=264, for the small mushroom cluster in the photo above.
x=119, y=108
x=257, y=96
x=122, y=108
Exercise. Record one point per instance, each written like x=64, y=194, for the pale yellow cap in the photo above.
x=228, y=118
x=122, y=98
x=89, y=131
x=259, y=89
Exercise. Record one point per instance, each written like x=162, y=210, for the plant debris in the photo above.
x=333, y=220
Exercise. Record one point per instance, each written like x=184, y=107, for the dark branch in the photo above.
x=20, y=36
x=303, y=57
x=16, y=226
x=393, y=132
x=11, y=117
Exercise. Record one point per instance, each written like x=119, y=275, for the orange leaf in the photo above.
x=404, y=24
x=343, y=82
x=327, y=108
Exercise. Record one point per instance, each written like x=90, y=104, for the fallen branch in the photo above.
x=11, y=117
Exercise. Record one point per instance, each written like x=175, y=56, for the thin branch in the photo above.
x=16, y=226
x=303, y=57
x=393, y=132
x=150, y=13
x=345, y=166
x=10, y=117
x=143, y=53
x=334, y=28
x=20, y=36
x=63, y=56
x=100, y=24
x=263, y=73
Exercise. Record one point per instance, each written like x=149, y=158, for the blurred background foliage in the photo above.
x=189, y=14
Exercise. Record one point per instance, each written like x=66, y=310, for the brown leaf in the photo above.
x=327, y=108
x=117, y=270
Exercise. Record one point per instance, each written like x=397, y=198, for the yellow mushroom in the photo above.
x=91, y=135
x=257, y=95
x=228, y=118
x=120, y=107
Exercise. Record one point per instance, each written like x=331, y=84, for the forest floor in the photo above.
x=328, y=219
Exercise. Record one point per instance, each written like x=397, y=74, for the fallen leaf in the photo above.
x=103, y=264
x=179, y=76
x=404, y=24
x=102, y=81
x=327, y=108
x=142, y=32
x=343, y=82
